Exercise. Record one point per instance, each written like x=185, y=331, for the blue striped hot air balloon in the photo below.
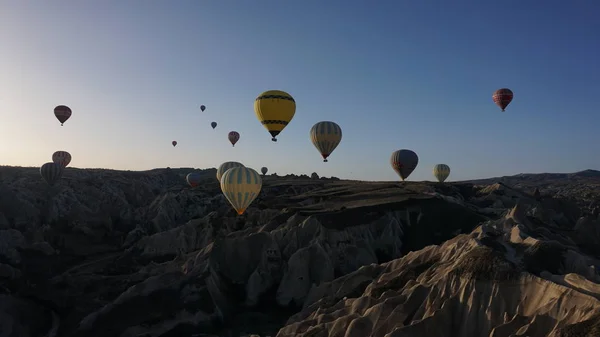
x=241, y=185
x=326, y=136
x=226, y=166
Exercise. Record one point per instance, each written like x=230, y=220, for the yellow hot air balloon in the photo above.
x=326, y=136
x=274, y=109
x=441, y=172
x=241, y=186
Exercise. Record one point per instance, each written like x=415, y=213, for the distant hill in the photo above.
x=536, y=178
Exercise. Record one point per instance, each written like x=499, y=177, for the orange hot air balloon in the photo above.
x=233, y=136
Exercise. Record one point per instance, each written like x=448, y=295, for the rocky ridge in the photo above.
x=114, y=253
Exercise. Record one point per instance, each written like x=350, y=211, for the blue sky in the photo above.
x=393, y=74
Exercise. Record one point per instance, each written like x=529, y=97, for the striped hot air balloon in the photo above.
x=441, y=172
x=241, y=186
x=51, y=172
x=63, y=158
x=275, y=110
x=193, y=179
x=502, y=97
x=404, y=162
x=62, y=113
x=226, y=166
x=326, y=136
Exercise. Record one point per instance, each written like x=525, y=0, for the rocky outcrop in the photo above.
x=112, y=253
x=490, y=282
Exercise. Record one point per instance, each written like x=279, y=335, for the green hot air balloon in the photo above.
x=441, y=172
x=404, y=162
x=51, y=172
x=226, y=166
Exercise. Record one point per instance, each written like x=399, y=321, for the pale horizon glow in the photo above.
x=394, y=75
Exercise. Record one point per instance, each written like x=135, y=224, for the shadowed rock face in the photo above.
x=113, y=253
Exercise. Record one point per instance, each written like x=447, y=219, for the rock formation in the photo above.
x=119, y=253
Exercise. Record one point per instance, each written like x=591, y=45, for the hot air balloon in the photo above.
x=51, y=172
x=326, y=136
x=274, y=109
x=233, y=137
x=241, y=186
x=202, y=107
x=63, y=158
x=193, y=179
x=213, y=124
x=264, y=170
x=502, y=97
x=174, y=142
x=404, y=162
x=441, y=172
x=226, y=166
x=62, y=113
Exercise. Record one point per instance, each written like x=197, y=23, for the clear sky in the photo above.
x=393, y=74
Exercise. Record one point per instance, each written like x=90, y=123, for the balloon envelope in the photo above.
x=213, y=124
x=63, y=158
x=275, y=110
x=233, y=137
x=62, y=113
x=174, y=143
x=502, y=97
x=226, y=166
x=202, y=107
x=326, y=136
x=51, y=172
x=241, y=186
x=441, y=172
x=193, y=179
x=264, y=170
x=404, y=162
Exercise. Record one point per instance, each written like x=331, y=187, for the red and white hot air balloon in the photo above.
x=233, y=136
x=63, y=158
x=502, y=97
